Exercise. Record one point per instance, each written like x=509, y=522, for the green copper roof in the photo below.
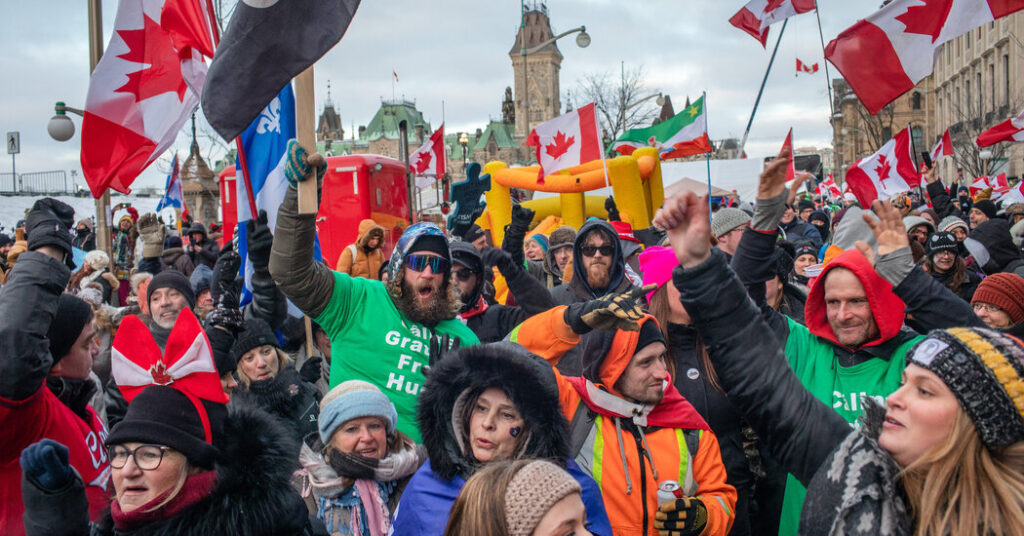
x=502, y=134
x=391, y=113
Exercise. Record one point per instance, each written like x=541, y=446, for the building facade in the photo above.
x=977, y=84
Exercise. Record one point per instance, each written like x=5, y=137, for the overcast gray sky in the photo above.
x=456, y=51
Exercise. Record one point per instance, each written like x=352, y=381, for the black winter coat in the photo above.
x=495, y=322
x=252, y=496
x=209, y=250
x=295, y=402
x=692, y=381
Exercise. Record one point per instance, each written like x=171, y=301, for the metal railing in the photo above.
x=40, y=182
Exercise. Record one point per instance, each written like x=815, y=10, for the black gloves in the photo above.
x=439, y=347
x=224, y=291
x=498, y=257
x=612, y=311
x=651, y=236
x=682, y=517
x=45, y=463
x=522, y=216
x=49, y=224
x=259, y=241
x=613, y=211
x=310, y=371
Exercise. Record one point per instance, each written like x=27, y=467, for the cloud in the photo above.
x=457, y=52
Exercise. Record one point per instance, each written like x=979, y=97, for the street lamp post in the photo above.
x=464, y=142
x=582, y=41
x=61, y=128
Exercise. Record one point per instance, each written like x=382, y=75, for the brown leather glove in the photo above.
x=609, y=312
x=686, y=516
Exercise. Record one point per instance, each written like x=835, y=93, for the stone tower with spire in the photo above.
x=199, y=185
x=329, y=127
x=536, y=75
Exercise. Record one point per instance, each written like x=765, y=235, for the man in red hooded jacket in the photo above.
x=854, y=343
x=630, y=427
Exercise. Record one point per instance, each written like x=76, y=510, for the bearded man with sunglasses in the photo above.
x=382, y=333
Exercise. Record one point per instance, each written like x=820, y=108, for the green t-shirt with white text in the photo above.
x=371, y=340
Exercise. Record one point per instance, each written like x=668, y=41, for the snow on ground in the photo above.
x=13, y=208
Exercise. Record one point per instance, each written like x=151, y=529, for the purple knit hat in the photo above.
x=657, y=263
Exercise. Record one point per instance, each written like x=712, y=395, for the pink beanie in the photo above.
x=657, y=263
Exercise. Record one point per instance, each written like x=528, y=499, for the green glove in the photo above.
x=609, y=312
x=686, y=516
x=297, y=168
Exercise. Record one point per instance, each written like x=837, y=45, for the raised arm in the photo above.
x=307, y=283
x=515, y=233
x=28, y=301
x=800, y=430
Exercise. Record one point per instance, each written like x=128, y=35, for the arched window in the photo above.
x=916, y=100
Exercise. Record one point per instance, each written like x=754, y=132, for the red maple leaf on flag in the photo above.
x=559, y=144
x=927, y=19
x=159, y=373
x=773, y=5
x=422, y=162
x=883, y=168
x=151, y=45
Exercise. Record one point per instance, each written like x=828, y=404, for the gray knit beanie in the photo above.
x=728, y=219
x=984, y=369
x=532, y=492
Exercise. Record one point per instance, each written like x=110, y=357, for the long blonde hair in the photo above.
x=962, y=487
x=283, y=361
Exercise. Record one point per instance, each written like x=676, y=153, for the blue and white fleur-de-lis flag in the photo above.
x=265, y=146
x=266, y=44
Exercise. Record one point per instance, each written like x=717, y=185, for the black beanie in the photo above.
x=257, y=333
x=466, y=254
x=804, y=204
x=473, y=233
x=172, y=279
x=650, y=333
x=163, y=415
x=220, y=344
x=73, y=313
x=987, y=207
x=942, y=240
x=5, y=240
x=433, y=244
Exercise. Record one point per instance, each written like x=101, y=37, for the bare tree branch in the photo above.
x=967, y=122
x=617, y=101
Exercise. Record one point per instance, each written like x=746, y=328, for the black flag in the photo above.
x=266, y=44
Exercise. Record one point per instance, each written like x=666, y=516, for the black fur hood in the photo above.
x=253, y=495
x=527, y=379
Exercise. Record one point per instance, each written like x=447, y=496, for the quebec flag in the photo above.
x=172, y=190
x=264, y=152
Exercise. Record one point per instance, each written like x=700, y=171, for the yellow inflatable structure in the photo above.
x=635, y=181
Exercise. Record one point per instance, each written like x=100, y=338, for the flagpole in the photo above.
x=828, y=77
x=707, y=155
x=760, y=92
x=305, y=131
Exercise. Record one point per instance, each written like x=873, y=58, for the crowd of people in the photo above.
x=788, y=365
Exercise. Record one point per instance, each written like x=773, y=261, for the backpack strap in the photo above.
x=582, y=421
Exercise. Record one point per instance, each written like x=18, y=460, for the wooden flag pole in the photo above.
x=305, y=130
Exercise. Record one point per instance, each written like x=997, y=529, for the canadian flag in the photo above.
x=186, y=363
x=143, y=90
x=566, y=141
x=428, y=162
x=755, y=17
x=999, y=184
x=791, y=168
x=943, y=148
x=1014, y=196
x=802, y=67
x=829, y=188
x=1009, y=130
x=886, y=54
x=889, y=171
x=978, y=185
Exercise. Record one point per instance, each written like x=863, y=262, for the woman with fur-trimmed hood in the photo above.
x=480, y=404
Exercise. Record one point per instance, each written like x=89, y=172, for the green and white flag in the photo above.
x=684, y=135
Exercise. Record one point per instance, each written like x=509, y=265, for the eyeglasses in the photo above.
x=589, y=251
x=986, y=306
x=147, y=457
x=418, y=263
x=463, y=274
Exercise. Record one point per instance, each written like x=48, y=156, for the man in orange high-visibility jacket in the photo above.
x=630, y=427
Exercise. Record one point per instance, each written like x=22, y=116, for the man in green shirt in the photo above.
x=383, y=333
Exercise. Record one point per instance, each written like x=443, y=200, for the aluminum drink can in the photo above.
x=669, y=490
